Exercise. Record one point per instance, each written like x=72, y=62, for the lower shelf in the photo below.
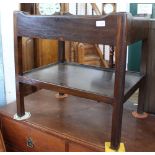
x=88, y=79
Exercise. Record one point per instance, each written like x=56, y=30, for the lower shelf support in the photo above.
x=108, y=148
x=139, y=115
x=26, y=116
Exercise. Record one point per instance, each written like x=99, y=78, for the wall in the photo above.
x=8, y=48
x=122, y=6
x=2, y=87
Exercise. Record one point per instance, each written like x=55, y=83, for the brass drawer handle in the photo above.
x=30, y=142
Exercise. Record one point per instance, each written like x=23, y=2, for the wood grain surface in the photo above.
x=83, y=123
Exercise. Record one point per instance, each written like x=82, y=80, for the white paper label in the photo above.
x=100, y=23
x=144, y=8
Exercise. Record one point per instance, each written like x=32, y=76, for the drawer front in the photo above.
x=44, y=142
x=74, y=147
x=25, y=138
x=12, y=148
x=15, y=133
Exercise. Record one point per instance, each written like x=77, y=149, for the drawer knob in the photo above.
x=30, y=142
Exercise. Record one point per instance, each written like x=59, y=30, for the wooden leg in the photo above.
x=116, y=125
x=142, y=89
x=20, y=99
x=141, y=102
x=119, y=85
x=140, y=108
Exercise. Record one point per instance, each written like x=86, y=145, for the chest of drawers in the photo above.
x=47, y=132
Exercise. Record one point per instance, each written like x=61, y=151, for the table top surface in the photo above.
x=86, y=120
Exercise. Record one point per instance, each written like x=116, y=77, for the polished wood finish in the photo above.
x=149, y=85
x=119, y=84
x=28, y=7
x=70, y=75
x=19, y=71
x=86, y=54
x=118, y=31
x=2, y=145
x=72, y=120
x=73, y=147
x=143, y=69
x=89, y=54
x=40, y=141
x=46, y=52
x=138, y=29
x=44, y=142
x=28, y=48
x=11, y=148
x=60, y=24
x=15, y=133
x=28, y=54
x=78, y=52
x=99, y=53
x=61, y=54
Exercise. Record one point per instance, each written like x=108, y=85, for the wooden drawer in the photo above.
x=18, y=135
x=46, y=142
x=11, y=148
x=15, y=133
x=74, y=147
